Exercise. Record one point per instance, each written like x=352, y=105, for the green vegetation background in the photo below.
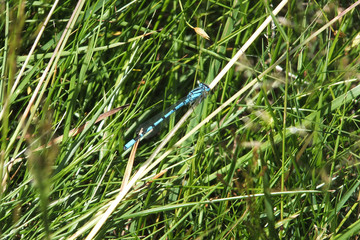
x=282, y=161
